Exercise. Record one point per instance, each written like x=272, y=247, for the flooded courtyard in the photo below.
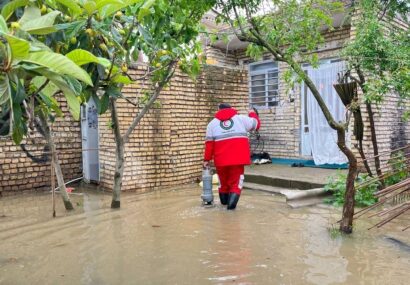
x=169, y=238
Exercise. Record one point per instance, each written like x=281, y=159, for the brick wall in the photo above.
x=19, y=172
x=217, y=57
x=281, y=124
x=392, y=131
x=166, y=149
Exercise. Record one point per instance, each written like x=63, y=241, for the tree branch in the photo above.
x=170, y=72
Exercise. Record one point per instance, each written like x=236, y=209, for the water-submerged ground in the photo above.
x=169, y=238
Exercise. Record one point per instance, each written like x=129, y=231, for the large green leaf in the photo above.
x=104, y=62
x=18, y=131
x=33, y=23
x=19, y=47
x=59, y=64
x=49, y=90
x=74, y=7
x=68, y=91
x=81, y=57
x=3, y=25
x=12, y=6
x=4, y=89
x=90, y=7
x=30, y=13
x=18, y=121
x=5, y=121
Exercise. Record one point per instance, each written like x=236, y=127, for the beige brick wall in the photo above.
x=392, y=131
x=281, y=124
x=166, y=149
x=18, y=172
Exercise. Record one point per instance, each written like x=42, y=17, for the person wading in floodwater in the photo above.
x=227, y=144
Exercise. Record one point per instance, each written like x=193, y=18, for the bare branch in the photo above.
x=170, y=72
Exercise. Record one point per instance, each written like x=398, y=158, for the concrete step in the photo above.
x=294, y=198
x=304, y=202
x=263, y=188
x=292, y=195
x=281, y=182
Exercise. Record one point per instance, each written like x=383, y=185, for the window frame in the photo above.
x=274, y=68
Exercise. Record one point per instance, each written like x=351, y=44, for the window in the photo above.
x=264, y=84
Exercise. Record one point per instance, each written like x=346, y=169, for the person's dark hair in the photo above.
x=224, y=106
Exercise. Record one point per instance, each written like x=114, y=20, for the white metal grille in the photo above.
x=263, y=84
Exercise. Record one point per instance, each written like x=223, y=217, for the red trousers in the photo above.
x=230, y=178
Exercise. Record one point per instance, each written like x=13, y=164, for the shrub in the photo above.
x=337, y=186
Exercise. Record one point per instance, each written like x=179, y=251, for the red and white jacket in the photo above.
x=227, y=140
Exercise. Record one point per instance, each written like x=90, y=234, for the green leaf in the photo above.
x=5, y=114
x=49, y=90
x=104, y=62
x=146, y=35
x=103, y=106
x=3, y=25
x=12, y=6
x=67, y=89
x=4, y=89
x=74, y=84
x=81, y=57
x=121, y=79
x=142, y=13
x=71, y=29
x=71, y=5
x=30, y=13
x=113, y=91
x=59, y=64
x=148, y=4
x=145, y=10
x=90, y=7
x=104, y=3
x=36, y=25
x=19, y=47
x=110, y=9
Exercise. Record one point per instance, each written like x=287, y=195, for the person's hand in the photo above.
x=206, y=164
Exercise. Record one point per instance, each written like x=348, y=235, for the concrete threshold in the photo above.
x=281, y=182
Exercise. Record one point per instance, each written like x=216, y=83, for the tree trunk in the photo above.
x=119, y=171
x=119, y=156
x=363, y=156
x=374, y=142
x=120, y=141
x=59, y=174
x=346, y=224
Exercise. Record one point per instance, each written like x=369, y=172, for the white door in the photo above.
x=317, y=138
x=90, y=141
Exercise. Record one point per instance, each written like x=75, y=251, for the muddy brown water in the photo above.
x=169, y=238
